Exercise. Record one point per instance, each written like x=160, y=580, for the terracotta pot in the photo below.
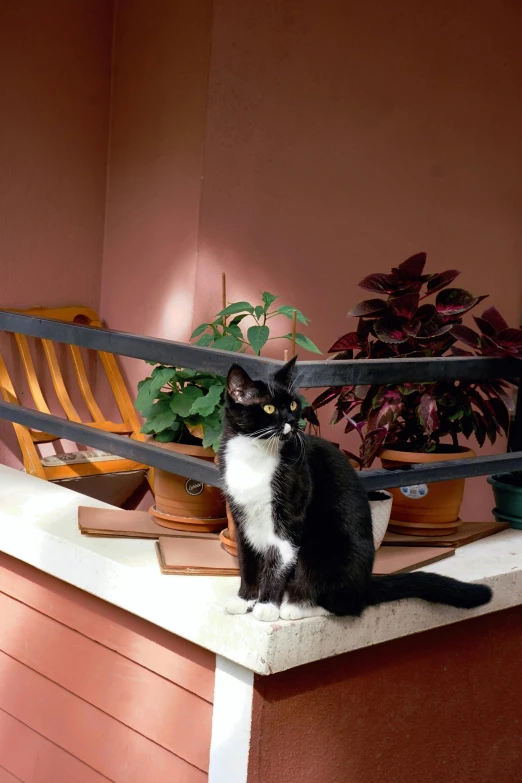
x=186, y=504
x=228, y=536
x=426, y=509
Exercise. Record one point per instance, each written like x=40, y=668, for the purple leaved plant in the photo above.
x=419, y=315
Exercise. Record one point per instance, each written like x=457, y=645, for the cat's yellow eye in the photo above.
x=293, y=406
x=269, y=409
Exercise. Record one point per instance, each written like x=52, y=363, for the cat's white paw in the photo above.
x=237, y=605
x=298, y=611
x=267, y=613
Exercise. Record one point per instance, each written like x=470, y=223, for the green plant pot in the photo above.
x=508, y=500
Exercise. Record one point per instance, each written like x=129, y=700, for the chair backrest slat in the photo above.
x=83, y=383
x=58, y=382
x=30, y=456
x=30, y=373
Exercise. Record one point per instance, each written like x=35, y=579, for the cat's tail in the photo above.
x=430, y=587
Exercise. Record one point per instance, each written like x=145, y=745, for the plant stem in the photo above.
x=224, y=296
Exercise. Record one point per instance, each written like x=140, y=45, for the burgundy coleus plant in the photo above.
x=400, y=323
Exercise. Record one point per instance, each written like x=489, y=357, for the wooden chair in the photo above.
x=93, y=472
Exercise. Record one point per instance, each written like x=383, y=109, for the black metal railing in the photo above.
x=311, y=374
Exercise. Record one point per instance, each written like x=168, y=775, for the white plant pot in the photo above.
x=381, y=511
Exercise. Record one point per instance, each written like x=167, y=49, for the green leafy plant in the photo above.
x=186, y=406
x=230, y=337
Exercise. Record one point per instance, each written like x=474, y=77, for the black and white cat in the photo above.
x=302, y=517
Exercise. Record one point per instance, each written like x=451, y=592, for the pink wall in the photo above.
x=294, y=145
x=55, y=62
x=55, y=91
x=161, y=60
x=343, y=137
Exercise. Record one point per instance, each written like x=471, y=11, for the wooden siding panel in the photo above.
x=174, y=658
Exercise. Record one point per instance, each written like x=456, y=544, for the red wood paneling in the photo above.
x=128, y=692
x=443, y=705
x=180, y=661
x=6, y=777
x=31, y=758
x=101, y=689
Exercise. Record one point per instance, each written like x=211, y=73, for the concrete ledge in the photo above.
x=38, y=525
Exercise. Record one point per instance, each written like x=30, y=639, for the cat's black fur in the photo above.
x=320, y=507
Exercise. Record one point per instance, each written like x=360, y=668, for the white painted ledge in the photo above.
x=38, y=525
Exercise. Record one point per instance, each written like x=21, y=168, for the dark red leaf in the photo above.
x=390, y=330
x=466, y=426
x=479, y=428
x=426, y=312
x=379, y=283
x=345, y=343
x=460, y=351
x=364, y=329
x=484, y=326
x=371, y=445
x=385, y=415
x=310, y=415
x=361, y=391
x=350, y=455
x=342, y=356
x=412, y=329
x=326, y=396
x=437, y=282
x=510, y=337
x=495, y=388
x=451, y=301
x=427, y=412
x=404, y=306
x=501, y=413
x=432, y=329
x=413, y=267
x=368, y=307
x=466, y=335
x=492, y=348
x=496, y=320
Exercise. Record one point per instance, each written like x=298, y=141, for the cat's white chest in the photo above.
x=250, y=466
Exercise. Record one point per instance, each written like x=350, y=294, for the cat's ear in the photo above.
x=286, y=373
x=241, y=387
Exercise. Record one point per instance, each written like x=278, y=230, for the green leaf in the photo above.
x=160, y=422
x=259, y=311
x=237, y=307
x=257, y=337
x=185, y=375
x=207, y=404
x=212, y=437
x=303, y=342
x=198, y=330
x=228, y=343
x=234, y=330
x=150, y=388
x=182, y=403
x=205, y=340
x=289, y=312
x=238, y=319
x=167, y=436
x=268, y=299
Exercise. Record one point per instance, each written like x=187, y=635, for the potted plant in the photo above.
x=507, y=488
x=183, y=409
x=419, y=315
